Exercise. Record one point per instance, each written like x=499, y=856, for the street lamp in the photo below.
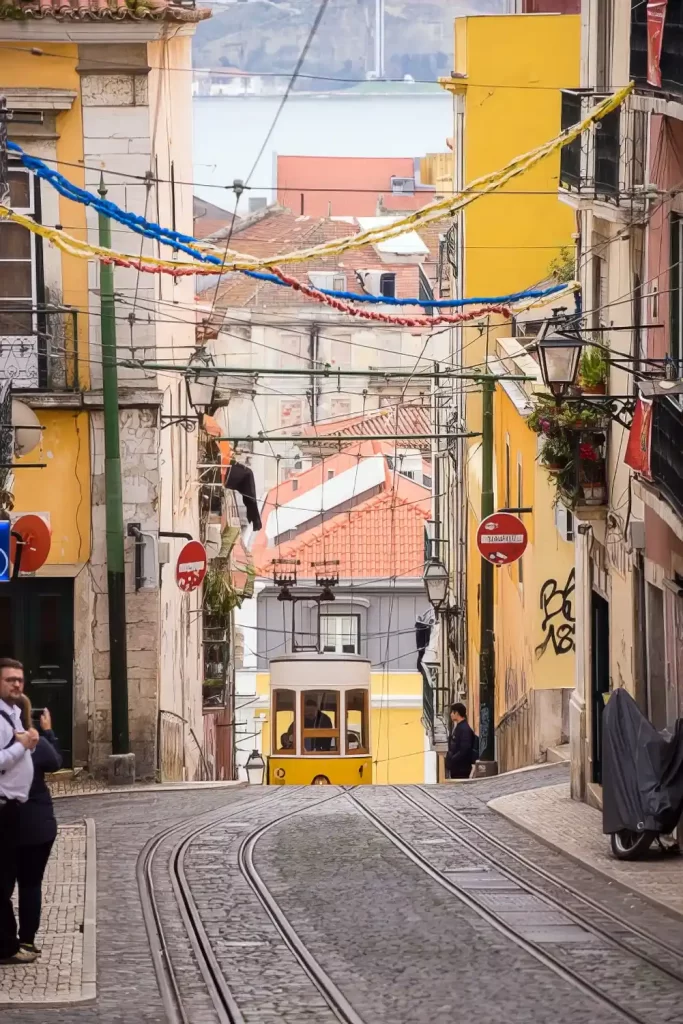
x=436, y=583
x=559, y=345
x=201, y=386
x=255, y=768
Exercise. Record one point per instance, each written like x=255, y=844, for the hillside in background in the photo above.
x=268, y=36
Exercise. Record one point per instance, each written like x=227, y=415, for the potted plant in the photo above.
x=592, y=471
x=593, y=371
x=575, y=418
x=545, y=419
x=556, y=453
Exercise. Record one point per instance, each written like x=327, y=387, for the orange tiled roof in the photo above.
x=380, y=538
x=404, y=419
x=102, y=10
x=277, y=230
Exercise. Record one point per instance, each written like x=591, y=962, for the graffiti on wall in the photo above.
x=557, y=605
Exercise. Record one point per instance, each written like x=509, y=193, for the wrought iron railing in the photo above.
x=666, y=451
x=590, y=165
x=39, y=347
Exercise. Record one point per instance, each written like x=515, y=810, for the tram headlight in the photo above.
x=320, y=780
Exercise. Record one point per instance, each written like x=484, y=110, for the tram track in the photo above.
x=561, y=965
x=222, y=998
x=641, y=934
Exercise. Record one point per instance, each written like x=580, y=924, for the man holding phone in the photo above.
x=16, y=776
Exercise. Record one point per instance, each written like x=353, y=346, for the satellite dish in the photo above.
x=27, y=428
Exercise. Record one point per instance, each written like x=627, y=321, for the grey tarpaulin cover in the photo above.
x=642, y=770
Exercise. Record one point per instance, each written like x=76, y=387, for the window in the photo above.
x=320, y=717
x=284, y=722
x=17, y=259
x=387, y=285
x=599, y=297
x=357, y=722
x=340, y=634
x=402, y=186
x=676, y=284
x=295, y=484
x=289, y=354
x=639, y=143
x=604, y=44
x=564, y=521
x=291, y=411
x=330, y=474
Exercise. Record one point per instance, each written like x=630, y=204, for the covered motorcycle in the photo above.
x=642, y=777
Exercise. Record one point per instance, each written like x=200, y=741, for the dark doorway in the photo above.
x=36, y=627
x=656, y=657
x=599, y=677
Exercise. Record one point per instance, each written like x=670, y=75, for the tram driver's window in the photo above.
x=284, y=721
x=320, y=715
x=357, y=722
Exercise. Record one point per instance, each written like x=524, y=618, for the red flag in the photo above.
x=656, y=13
x=638, y=447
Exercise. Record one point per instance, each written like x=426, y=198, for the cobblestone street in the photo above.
x=374, y=905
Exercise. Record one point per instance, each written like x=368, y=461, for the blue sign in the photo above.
x=5, y=533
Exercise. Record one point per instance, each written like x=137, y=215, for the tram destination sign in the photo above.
x=502, y=538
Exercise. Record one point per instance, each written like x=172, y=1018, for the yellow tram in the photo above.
x=320, y=720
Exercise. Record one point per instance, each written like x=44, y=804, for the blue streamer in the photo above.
x=178, y=240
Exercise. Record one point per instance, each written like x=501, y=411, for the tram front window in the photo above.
x=320, y=710
x=357, y=722
x=284, y=721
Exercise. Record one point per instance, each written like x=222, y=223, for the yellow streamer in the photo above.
x=434, y=212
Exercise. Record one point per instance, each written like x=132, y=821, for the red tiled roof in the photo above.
x=102, y=10
x=380, y=538
x=404, y=419
x=277, y=230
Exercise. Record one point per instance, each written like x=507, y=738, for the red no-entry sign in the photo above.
x=502, y=538
x=191, y=568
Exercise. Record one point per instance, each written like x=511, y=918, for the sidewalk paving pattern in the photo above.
x=65, y=970
x=575, y=829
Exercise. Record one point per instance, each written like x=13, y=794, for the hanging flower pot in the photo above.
x=594, y=389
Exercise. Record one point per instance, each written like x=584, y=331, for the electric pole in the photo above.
x=486, y=765
x=116, y=582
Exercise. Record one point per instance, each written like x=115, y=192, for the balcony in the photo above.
x=671, y=60
x=666, y=451
x=575, y=456
x=39, y=347
x=590, y=166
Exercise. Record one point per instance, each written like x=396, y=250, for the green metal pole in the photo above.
x=487, y=663
x=116, y=588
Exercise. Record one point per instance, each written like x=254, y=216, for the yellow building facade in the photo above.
x=95, y=96
x=508, y=74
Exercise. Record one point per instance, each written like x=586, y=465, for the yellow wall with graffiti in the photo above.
x=504, y=106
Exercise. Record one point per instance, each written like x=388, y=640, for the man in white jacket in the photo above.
x=16, y=776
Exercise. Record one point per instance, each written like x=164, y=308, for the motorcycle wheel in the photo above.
x=627, y=845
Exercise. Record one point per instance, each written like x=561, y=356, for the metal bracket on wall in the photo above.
x=188, y=423
x=619, y=408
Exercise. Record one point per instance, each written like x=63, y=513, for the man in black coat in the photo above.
x=463, y=745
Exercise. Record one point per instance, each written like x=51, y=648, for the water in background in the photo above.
x=229, y=131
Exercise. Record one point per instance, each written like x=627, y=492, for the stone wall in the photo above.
x=140, y=479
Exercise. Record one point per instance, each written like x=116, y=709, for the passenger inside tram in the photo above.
x=314, y=718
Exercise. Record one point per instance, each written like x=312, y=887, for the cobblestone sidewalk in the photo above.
x=576, y=830
x=65, y=970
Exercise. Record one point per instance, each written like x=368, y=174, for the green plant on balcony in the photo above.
x=545, y=419
x=573, y=417
x=593, y=371
x=556, y=454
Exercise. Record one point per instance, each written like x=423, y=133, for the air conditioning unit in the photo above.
x=402, y=186
x=328, y=280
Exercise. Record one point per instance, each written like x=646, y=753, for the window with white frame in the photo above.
x=18, y=284
x=340, y=634
x=564, y=521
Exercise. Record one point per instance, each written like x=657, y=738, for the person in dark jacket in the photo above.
x=37, y=828
x=463, y=745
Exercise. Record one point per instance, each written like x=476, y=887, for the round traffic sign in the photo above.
x=191, y=568
x=502, y=538
x=36, y=540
